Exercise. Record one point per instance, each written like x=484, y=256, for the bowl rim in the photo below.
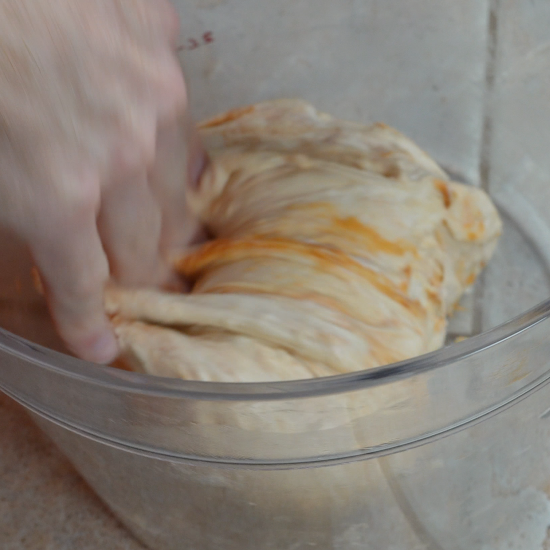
x=138, y=383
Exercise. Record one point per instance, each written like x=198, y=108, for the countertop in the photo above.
x=44, y=504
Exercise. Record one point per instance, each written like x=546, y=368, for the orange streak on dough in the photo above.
x=229, y=116
x=372, y=239
x=331, y=261
x=354, y=230
x=443, y=187
x=440, y=324
x=326, y=206
x=477, y=232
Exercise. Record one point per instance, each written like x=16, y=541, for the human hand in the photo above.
x=92, y=151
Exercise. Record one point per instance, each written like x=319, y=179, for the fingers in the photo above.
x=157, y=77
x=170, y=21
x=100, y=79
x=197, y=162
x=130, y=227
x=173, y=103
x=179, y=162
x=74, y=270
x=152, y=96
x=197, y=156
x=151, y=19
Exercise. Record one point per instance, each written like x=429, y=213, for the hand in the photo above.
x=92, y=151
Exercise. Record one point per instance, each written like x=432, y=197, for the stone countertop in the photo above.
x=44, y=503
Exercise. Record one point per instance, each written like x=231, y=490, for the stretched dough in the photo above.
x=336, y=247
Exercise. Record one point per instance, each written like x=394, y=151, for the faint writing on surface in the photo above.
x=194, y=43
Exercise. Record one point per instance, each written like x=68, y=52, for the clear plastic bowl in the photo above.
x=449, y=451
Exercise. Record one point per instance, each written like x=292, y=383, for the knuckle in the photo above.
x=173, y=97
x=87, y=287
x=172, y=24
x=158, y=20
x=125, y=159
x=136, y=151
x=170, y=19
x=147, y=145
x=84, y=200
x=80, y=331
x=72, y=199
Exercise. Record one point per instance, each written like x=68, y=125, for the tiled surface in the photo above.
x=519, y=158
x=44, y=504
x=418, y=65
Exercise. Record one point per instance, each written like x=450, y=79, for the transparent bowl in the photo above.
x=448, y=451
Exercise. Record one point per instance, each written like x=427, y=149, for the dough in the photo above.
x=336, y=247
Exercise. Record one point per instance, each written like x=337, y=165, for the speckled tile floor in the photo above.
x=44, y=504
